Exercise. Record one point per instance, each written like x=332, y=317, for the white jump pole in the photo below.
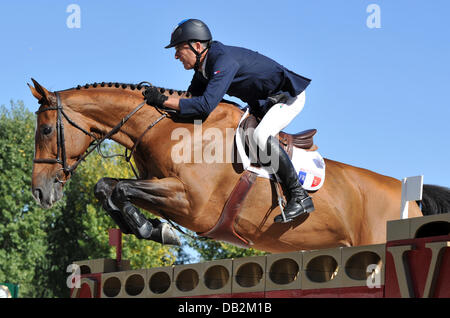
x=411, y=191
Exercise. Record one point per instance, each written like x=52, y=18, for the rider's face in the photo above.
x=185, y=54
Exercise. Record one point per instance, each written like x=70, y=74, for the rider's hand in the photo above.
x=153, y=97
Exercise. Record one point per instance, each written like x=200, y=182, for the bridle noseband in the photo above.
x=61, y=157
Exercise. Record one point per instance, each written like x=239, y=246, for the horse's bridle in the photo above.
x=61, y=144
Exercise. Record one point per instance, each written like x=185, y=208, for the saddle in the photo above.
x=303, y=139
x=225, y=230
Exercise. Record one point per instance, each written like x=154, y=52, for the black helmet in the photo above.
x=190, y=30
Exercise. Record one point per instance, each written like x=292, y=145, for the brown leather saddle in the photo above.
x=225, y=230
x=303, y=139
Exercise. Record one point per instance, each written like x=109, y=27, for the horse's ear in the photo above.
x=39, y=91
x=35, y=92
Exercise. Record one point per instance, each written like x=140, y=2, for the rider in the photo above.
x=271, y=90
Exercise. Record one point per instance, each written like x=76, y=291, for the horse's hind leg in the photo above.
x=103, y=191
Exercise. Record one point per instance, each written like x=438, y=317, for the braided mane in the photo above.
x=141, y=86
x=133, y=87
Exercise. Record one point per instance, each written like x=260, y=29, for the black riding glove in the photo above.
x=153, y=97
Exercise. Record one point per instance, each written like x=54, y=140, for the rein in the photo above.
x=61, y=157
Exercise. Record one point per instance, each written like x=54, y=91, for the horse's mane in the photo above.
x=141, y=86
x=132, y=87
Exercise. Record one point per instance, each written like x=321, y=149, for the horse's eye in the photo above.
x=47, y=130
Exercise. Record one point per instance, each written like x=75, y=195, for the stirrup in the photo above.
x=281, y=202
x=282, y=217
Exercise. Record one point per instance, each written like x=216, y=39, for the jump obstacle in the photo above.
x=414, y=262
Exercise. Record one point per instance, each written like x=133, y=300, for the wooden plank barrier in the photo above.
x=415, y=262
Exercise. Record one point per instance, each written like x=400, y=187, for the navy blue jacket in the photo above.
x=242, y=73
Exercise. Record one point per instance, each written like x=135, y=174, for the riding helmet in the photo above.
x=189, y=30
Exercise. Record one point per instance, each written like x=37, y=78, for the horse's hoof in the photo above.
x=165, y=235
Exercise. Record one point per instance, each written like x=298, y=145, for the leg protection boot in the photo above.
x=116, y=215
x=151, y=229
x=140, y=226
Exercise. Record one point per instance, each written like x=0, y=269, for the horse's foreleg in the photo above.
x=154, y=195
x=127, y=217
x=103, y=191
x=167, y=195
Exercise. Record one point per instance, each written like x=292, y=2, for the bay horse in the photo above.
x=352, y=207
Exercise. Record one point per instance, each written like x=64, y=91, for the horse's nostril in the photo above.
x=38, y=194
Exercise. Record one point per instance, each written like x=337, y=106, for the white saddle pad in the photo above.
x=309, y=165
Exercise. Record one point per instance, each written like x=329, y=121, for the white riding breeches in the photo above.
x=277, y=118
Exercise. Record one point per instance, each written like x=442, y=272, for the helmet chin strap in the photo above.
x=198, y=56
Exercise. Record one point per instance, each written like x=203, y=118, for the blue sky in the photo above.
x=378, y=96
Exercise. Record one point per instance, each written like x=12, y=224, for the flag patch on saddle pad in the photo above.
x=302, y=177
x=310, y=175
x=316, y=182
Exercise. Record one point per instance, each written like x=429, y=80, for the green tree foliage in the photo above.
x=23, y=225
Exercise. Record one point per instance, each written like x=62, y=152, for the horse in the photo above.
x=351, y=208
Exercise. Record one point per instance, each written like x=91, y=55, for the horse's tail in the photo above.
x=435, y=199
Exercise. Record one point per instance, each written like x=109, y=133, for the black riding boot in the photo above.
x=298, y=200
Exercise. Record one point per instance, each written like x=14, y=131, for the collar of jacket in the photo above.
x=203, y=69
